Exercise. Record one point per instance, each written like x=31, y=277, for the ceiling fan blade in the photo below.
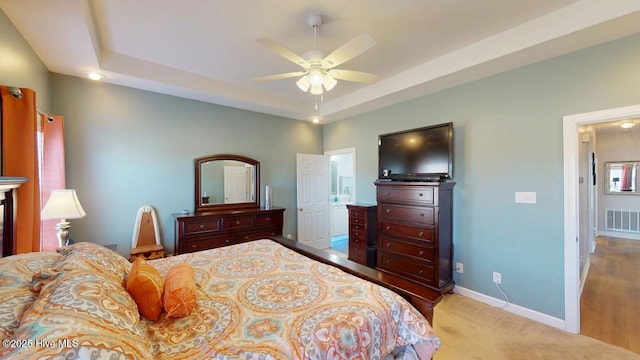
x=283, y=51
x=280, y=76
x=348, y=51
x=355, y=76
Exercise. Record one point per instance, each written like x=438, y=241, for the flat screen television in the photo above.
x=423, y=154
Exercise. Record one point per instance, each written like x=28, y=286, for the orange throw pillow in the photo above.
x=180, y=290
x=145, y=284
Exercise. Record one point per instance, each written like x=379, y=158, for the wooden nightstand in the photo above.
x=363, y=234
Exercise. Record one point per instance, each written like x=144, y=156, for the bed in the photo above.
x=255, y=300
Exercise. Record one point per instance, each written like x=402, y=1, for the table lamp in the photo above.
x=63, y=204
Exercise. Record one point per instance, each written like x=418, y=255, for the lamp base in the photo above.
x=63, y=232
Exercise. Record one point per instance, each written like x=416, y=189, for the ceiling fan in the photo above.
x=319, y=71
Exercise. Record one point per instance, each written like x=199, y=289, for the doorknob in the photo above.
x=300, y=209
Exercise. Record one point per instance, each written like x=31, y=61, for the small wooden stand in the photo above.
x=146, y=236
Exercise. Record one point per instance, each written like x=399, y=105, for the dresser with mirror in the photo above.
x=227, y=206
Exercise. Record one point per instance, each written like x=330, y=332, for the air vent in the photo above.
x=622, y=220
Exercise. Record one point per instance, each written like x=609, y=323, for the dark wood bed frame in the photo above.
x=421, y=297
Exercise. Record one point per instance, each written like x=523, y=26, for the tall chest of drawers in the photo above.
x=363, y=230
x=214, y=229
x=415, y=226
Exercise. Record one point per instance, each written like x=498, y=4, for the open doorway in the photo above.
x=342, y=177
x=609, y=271
x=573, y=203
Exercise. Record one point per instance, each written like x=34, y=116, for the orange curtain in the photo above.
x=51, y=145
x=20, y=158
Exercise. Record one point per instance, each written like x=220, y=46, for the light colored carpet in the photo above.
x=472, y=330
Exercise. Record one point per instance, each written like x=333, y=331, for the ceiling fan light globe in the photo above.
x=304, y=83
x=316, y=90
x=329, y=82
x=316, y=77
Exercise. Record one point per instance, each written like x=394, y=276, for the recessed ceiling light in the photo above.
x=627, y=125
x=95, y=76
x=316, y=120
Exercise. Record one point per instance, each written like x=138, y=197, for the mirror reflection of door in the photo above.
x=235, y=185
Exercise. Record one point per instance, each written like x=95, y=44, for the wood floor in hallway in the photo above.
x=610, y=302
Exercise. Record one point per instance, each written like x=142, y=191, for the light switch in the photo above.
x=525, y=197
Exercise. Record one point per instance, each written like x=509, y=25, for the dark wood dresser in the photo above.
x=363, y=234
x=415, y=229
x=195, y=232
x=8, y=206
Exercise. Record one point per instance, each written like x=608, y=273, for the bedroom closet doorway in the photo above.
x=574, y=201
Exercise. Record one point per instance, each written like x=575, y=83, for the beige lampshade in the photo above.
x=63, y=204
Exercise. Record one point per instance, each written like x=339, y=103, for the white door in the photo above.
x=313, y=200
x=235, y=184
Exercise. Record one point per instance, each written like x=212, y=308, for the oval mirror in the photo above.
x=226, y=181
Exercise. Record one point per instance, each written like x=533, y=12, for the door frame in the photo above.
x=570, y=124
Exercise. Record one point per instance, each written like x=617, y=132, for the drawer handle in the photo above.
x=388, y=211
x=388, y=227
x=421, y=253
x=201, y=226
x=237, y=222
x=388, y=193
x=356, y=221
x=420, y=194
x=356, y=240
x=388, y=261
x=422, y=214
x=227, y=241
x=193, y=246
x=388, y=244
x=421, y=271
x=421, y=233
x=268, y=219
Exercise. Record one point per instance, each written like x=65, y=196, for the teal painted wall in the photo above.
x=19, y=64
x=508, y=138
x=127, y=148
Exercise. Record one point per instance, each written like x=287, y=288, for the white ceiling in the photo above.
x=207, y=49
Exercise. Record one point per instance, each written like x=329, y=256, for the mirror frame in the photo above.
x=607, y=175
x=202, y=208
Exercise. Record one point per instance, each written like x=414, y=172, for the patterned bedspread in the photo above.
x=16, y=290
x=256, y=300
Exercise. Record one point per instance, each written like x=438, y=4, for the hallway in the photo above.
x=610, y=302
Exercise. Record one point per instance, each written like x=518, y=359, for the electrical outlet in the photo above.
x=459, y=268
x=497, y=278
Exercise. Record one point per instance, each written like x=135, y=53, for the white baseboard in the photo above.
x=620, y=234
x=585, y=273
x=512, y=308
